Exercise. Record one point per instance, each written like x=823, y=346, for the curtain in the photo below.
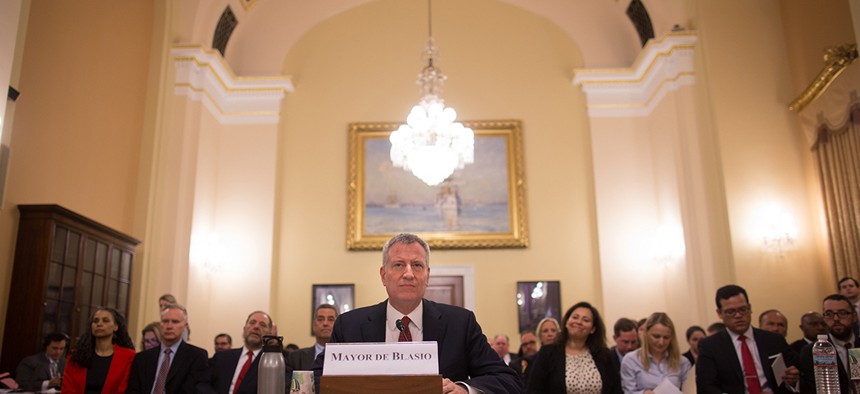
x=837, y=153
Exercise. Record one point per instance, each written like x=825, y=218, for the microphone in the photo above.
x=399, y=324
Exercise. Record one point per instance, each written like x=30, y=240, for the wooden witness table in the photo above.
x=381, y=384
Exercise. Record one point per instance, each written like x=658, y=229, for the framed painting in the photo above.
x=536, y=301
x=479, y=206
x=340, y=296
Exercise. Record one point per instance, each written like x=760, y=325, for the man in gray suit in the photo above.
x=44, y=370
x=324, y=317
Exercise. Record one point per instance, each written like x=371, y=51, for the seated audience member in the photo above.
x=850, y=288
x=626, y=337
x=716, y=327
x=150, y=336
x=44, y=370
x=235, y=370
x=547, y=329
x=579, y=361
x=502, y=344
x=223, y=341
x=841, y=318
x=525, y=356
x=165, y=300
x=175, y=366
x=694, y=335
x=812, y=325
x=738, y=359
x=774, y=321
x=658, y=359
x=466, y=361
x=324, y=318
x=102, y=358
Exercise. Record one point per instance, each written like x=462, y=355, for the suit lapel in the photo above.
x=373, y=330
x=434, y=325
x=731, y=356
x=177, y=362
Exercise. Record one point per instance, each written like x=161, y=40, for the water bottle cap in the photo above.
x=822, y=337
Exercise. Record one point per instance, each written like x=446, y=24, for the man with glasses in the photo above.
x=738, y=359
x=840, y=317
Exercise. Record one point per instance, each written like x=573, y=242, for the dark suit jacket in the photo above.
x=547, y=373
x=188, y=367
x=302, y=359
x=797, y=346
x=718, y=369
x=807, y=371
x=34, y=370
x=75, y=376
x=464, y=354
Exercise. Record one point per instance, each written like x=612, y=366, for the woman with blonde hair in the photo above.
x=150, y=336
x=546, y=331
x=657, y=360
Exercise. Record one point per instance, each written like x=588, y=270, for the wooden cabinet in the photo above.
x=65, y=266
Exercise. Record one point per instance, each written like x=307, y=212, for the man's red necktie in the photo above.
x=244, y=370
x=753, y=384
x=405, y=335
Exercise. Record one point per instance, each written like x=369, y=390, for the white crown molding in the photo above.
x=661, y=67
x=203, y=75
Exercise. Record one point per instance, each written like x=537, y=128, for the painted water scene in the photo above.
x=479, y=206
x=474, y=199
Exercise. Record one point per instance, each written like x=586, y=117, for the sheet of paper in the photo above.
x=666, y=387
x=778, y=366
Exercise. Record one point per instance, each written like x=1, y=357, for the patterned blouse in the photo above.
x=581, y=374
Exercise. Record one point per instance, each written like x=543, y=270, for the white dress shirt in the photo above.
x=242, y=359
x=756, y=357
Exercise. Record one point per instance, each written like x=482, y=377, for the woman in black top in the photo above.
x=579, y=360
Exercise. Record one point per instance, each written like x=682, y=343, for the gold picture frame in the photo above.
x=481, y=206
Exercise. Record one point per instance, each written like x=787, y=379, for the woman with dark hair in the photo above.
x=150, y=336
x=659, y=358
x=102, y=358
x=578, y=361
x=694, y=335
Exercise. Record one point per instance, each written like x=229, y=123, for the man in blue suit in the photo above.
x=235, y=371
x=466, y=361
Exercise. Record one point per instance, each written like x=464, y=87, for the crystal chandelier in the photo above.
x=431, y=144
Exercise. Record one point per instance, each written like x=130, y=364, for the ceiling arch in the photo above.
x=268, y=29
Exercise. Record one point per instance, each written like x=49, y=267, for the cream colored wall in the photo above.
x=762, y=154
x=361, y=66
x=79, y=118
x=229, y=276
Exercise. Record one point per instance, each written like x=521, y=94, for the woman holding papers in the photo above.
x=578, y=361
x=658, y=362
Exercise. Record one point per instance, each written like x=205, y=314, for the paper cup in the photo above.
x=302, y=382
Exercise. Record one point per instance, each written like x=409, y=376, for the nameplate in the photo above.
x=395, y=358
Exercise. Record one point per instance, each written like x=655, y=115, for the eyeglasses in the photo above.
x=529, y=343
x=842, y=314
x=742, y=310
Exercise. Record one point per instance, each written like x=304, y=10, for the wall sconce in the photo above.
x=777, y=229
x=207, y=252
x=667, y=244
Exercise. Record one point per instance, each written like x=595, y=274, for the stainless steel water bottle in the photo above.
x=273, y=368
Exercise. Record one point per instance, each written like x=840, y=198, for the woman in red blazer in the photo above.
x=102, y=359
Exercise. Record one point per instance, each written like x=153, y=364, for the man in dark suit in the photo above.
x=626, y=336
x=324, y=318
x=44, y=370
x=738, y=359
x=185, y=364
x=841, y=318
x=812, y=325
x=466, y=360
x=235, y=371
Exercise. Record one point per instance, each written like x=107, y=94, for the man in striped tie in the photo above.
x=174, y=367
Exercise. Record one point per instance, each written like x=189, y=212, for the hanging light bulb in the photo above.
x=431, y=144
